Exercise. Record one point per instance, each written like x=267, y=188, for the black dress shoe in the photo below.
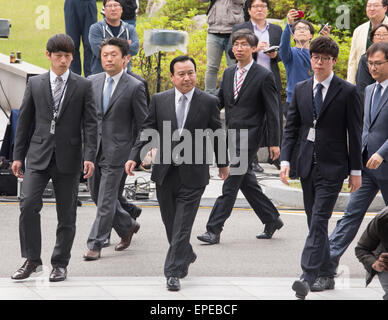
x=257, y=168
x=301, y=288
x=209, y=237
x=27, y=269
x=58, y=274
x=270, y=229
x=323, y=283
x=173, y=284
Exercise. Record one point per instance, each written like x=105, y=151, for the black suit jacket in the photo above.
x=256, y=100
x=275, y=34
x=204, y=114
x=339, y=120
x=78, y=112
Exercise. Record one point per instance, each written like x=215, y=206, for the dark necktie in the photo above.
x=376, y=100
x=318, y=100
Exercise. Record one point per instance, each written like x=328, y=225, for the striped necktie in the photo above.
x=57, y=92
x=239, y=81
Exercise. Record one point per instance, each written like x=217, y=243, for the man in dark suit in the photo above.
x=120, y=101
x=61, y=106
x=326, y=114
x=248, y=93
x=181, y=177
x=269, y=35
x=375, y=167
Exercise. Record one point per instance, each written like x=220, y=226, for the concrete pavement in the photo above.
x=240, y=267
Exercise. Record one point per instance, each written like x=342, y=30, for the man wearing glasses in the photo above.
x=326, y=113
x=111, y=26
x=375, y=167
x=376, y=12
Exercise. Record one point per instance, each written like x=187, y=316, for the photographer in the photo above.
x=372, y=250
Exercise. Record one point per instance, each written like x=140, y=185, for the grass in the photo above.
x=26, y=34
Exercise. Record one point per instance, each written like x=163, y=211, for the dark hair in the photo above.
x=119, y=1
x=181, y=59
x=60, y=42
x=248, y=3
x=383, y=2
x=307, y=23
x=325, y=45
x=245, y=34
x=379, y=46
x=373, y=31
x=118, y=42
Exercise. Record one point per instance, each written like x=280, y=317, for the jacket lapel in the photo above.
x=251, y=73
x=382, y=101
x=309, y=102
x=193, y=111
x=120, y=87
x=100, y=92
x=334, y=88
x=170, y=109
x=45, y=85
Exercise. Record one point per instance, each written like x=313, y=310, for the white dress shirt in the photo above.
x=116, y=78
x=53, y=77
x=189, y=96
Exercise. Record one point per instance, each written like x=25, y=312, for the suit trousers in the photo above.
x=178, y=206
x=319, y=197
x=247, y=183
x=347, y=227
x=104, y=187
x=66, y=191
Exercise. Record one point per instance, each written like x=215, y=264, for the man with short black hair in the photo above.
x=61, y=106
x=248, y=93
x=121, y=102
x=375, y=167
x=326, y=113
x=181, y=178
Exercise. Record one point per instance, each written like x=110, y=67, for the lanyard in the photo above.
x=56, y=108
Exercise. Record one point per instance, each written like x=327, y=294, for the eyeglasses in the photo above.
x=257, y=6
x=381, y=35
x=376, y=64
x=242, y=45
x=302, y=29
x=113, y=5
x=373, y=6
x=320, y=58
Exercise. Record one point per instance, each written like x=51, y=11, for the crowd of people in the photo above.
x=334, y=130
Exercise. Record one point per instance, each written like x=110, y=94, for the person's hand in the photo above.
x=292, y=16
x=17, y=168
x=381, y=264
x=262, y=45
x=326, y=31
x=88, y=169
x=274, y=153
x=130, y=166
x=223, y=173
x=354, y=183
x=284, y=173
x=374, y=161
